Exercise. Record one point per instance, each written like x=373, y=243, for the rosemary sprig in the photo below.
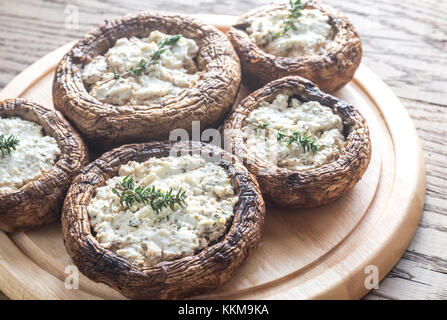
x=294, y=13
x=8, y=144
x=305, y=141
x=129, y=195
x=143, y=64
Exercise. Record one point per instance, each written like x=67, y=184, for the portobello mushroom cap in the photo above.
x=311, y=187
x=40, y=201
x=207, y=101
x=330, y=71
x=190, y=275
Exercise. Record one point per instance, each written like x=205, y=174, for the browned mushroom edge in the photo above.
x=330, y=71
x=179, y=278
x=40, y=202
x=313, y=187
x=208, y=101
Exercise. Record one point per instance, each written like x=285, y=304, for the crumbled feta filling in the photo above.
x=174, y=71
x=34, y=155
x=312, y=34
x=289, y=115
x=140, y=234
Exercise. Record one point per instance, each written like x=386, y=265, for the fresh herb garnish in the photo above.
x=143, y=64
x=294, y=13
x=116, y=75
x=129, y=195
x=8, y=144
x=262, y=125
x=139, y=69
x=305, y=141
x=161, y=47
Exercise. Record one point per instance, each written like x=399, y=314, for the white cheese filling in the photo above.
x=174, y=71
x=140, y=234
x=311, y=35
x=34, y=155
x=288, y=116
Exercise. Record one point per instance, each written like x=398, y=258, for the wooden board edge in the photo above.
x=9, y=255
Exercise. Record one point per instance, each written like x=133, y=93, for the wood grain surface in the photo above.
x=405, y=43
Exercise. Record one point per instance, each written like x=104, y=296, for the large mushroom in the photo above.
x=186, y=276
x=207, y=101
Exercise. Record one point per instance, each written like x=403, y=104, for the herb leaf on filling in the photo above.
x=129, y=195
x=305, y=141
x=143, y=64
x=294, y=13
x=8, y=144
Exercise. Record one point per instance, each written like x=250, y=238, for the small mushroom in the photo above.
x=39, y=202
x=329, y=71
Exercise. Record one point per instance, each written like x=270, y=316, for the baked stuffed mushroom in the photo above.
x=306, y=38
x=307, y=148
x=162, y=221
x=138, y=77
x=40, y=155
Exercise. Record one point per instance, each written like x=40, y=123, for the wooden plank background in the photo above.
x=405, y=43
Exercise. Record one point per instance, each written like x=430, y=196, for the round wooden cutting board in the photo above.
x=331, y=252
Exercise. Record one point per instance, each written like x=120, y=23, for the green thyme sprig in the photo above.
x=139, y=69
x=143, y=64
x=8, y=144
x=129, y=195
x=294, y=13
x=162, y=47
x=305, y=141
